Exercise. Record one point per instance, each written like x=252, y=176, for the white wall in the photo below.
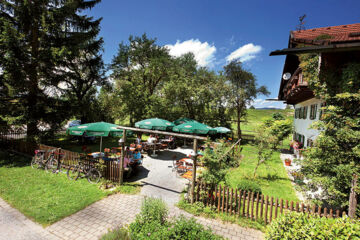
x=302, y=126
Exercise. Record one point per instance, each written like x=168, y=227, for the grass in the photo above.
x=44, y=197
x=256, y=116
x=271, y=177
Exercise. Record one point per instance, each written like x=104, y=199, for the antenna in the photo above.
x=301, y=25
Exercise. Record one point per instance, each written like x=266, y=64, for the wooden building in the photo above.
x=336, y=46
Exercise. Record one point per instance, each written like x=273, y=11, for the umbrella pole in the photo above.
x=184, y=143
x=100, y=143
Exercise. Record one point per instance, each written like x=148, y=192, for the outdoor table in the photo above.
x=96, y=154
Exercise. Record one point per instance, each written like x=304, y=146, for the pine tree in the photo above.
x=37, y=41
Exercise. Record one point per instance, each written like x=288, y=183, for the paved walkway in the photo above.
x=160, y=181
x=15, y=226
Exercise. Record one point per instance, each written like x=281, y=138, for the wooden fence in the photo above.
x=252, y=205
x=16, y=141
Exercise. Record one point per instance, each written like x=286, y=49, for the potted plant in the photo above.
x=288, y=162
x=298, y=176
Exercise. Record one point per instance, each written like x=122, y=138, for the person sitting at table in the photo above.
x=151, y=139
x=137, y=158
x=138, y=139
x=172, y=143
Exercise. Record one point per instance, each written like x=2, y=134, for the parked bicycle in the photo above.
x=84, y=171
x=39, y=161
x=56, y=166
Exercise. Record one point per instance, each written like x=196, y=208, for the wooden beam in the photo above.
x=194, y=171
x=121, y=175
x=163, y=133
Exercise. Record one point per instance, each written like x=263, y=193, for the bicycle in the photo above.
x=38, y=161
x=55, y=166
x=83, y=171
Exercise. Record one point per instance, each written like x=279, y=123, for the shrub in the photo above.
x=301, y=226
x=117, y=234
x=278, y=116
x=151, y=224
x=189, y=229
x=248, y=185
x=153, y=210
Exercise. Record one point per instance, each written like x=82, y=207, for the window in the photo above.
x=321, y=110
x=313, y=111
x=301, y=78
x=309, y=143
x=305, y=112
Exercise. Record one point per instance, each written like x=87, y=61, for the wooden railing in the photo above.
x=252, y=205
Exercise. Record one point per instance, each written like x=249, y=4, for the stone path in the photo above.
x=15, y=226
x=161, y=182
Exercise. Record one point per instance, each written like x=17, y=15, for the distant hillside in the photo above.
x=256, y=116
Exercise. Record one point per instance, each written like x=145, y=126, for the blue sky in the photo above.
x=217, y=31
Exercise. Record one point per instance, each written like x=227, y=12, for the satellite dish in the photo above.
x=287, y=76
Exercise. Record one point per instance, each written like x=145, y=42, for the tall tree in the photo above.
x=36, y=39
x=243, y=89
x=140, y=69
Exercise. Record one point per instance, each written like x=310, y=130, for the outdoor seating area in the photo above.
x=133, y=152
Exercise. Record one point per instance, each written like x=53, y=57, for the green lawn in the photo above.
x=43, y=197
x=271, y=177
x=256, y=116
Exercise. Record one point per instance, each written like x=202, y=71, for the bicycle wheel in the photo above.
x=93, y=176
x=73, y=173
x=51, y=166
x=35, y=162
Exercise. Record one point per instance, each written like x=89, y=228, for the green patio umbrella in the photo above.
x=182, y=120
x=155, y=124
x=194, y=127
x=97, y=129
x=222, y=130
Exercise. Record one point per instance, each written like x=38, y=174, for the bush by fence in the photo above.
x=302, y=226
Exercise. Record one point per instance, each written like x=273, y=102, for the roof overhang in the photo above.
x=318, y=49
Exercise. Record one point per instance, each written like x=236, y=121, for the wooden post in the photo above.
x=121, y=175
x=352, y=198
x=194, y=171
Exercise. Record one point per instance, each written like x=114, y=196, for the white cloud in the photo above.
x=244, y=53
x=262, y=103
x=203, y=51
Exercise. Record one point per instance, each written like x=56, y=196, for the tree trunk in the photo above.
x=32, y=98
x=238, y=123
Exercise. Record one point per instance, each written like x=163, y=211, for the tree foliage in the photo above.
x=151, y=83
x=218, y=161
x=244, y=90
x=38, y=41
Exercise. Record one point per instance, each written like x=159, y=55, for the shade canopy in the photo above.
x=155, y=124
x=97, y=129
x=222, y=130
x=194, y=127
x=182, y=120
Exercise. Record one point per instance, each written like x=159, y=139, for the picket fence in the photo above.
x=253, y=205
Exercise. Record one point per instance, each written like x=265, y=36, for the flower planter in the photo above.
x=287, y=162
